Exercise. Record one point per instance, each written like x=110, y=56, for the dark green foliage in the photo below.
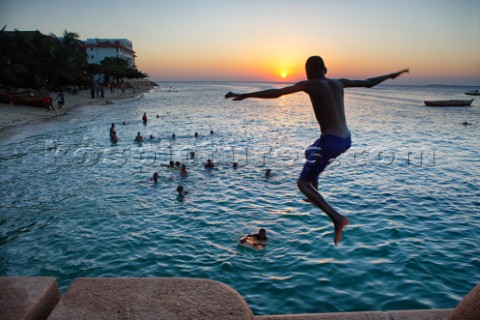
x=34, y=60
x=118, y=69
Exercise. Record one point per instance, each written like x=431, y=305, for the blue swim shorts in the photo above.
x=320, y=154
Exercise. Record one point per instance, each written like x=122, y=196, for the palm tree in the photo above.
x=69, y=61
x=7, y=51
x=13, y=68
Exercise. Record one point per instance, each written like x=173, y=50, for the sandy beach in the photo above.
x=14, y=115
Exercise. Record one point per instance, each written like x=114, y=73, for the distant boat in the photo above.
x=473, y=93
x=448, y=103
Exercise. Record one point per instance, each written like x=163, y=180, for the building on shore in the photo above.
x=99, y=49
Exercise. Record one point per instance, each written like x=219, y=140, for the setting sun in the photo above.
x=284, y=75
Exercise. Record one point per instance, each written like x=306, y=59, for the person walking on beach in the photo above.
x=61, y=100
x=326, y=96
x=48, y=101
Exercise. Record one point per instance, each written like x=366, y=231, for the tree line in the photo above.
x=34, y=60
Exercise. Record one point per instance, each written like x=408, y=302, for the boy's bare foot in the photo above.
x=339, y=230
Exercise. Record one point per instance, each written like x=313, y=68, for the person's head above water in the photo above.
x=315, y=68
x=262, y=232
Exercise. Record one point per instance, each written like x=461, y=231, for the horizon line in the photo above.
x=290, y=82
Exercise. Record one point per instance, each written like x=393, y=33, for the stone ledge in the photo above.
x=469, y=307
x=172, y=299
x=441, y=314
x=151, y=298
x=28, y=297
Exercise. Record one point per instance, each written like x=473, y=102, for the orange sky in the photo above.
x=260, y=40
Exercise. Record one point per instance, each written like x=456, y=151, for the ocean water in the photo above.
x=74, y=205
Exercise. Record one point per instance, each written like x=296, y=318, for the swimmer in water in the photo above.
x=259, y=239
x=113, y=134
x=154, y=178
x=181, y=191
x=139, y=137
x=268, y=173
x=183, y=171
x=209, y=164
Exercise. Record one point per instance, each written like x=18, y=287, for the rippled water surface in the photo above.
x=74, y=205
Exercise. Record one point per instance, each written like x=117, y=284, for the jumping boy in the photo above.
x=326, y=96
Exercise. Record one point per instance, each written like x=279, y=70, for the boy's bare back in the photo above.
x=326, y=96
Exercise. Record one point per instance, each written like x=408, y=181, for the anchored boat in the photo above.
x=473, y=93
x=448, y=103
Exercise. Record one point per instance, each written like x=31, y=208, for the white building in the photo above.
x=99, y=49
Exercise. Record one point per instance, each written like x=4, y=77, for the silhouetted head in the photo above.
x=262, y=232
x=315, y=68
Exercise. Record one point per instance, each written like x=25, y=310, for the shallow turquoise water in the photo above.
x=73, y=205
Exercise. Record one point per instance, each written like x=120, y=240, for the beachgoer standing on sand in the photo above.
x=61, y=100
x=48, y=101
x=326, y=96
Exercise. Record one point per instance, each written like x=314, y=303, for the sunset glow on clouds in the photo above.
x=261, y=40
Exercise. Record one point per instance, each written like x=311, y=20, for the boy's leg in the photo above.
x=319, y=155
x=339, y=220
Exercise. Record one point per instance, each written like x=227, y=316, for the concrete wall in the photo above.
x=172, y=299
x=28, y=297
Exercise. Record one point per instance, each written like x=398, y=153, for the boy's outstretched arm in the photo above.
x=371, y=82
x=266, y=94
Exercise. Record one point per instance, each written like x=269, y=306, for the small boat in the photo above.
x=473, y=93
x=25, y=100
x=448, y=103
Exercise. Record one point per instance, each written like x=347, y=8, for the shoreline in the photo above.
x=18, y=115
